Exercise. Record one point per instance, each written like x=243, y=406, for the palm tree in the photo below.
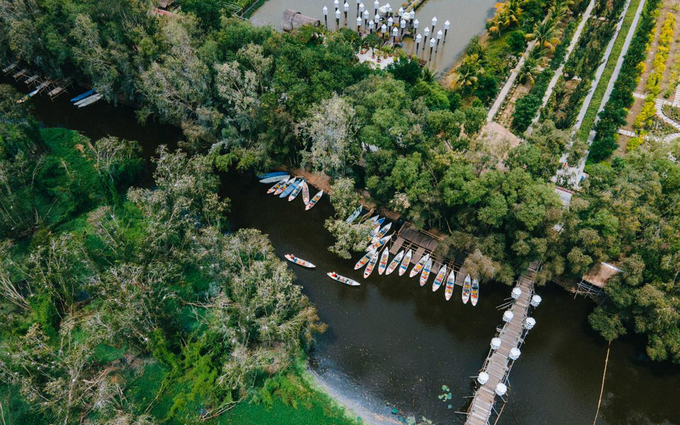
x=529, y=71
x=469, y=71
x=507, y=14
x=546, y=34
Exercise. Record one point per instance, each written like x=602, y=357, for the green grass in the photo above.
x=591, y=113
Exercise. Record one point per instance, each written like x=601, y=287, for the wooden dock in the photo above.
x=498, y=362
x=423, y=242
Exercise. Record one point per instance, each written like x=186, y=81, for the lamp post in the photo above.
x=402, y=25
x=366, y=14
x=390, y=21
x=383, y=28
x=370, y=27
x=418, y=39
x=395, y=34
x=447, y=24
x=376, y=5
x=336, y=4
x=358, y=1
x=359, y=24
x=337, y=19
x=416, y=24
x=400, y=12
x=434, y=24
x=325, y=16
x=426, y=34
x=346, y=7
x=439, y=37
x=412, y=15
x=432, y=42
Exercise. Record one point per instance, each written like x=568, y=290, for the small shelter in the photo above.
x=593, y=283
x=164, y=4
x=293, y=20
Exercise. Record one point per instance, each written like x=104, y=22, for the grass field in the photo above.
x=589, y=118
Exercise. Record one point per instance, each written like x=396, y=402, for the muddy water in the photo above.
x=391, y=340
x=467, y=18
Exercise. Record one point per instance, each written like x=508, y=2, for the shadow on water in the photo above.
x=395, y=341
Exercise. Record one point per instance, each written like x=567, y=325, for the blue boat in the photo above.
x=82, y=96
x=354, y=215
x=272, y=174
x=290, y=188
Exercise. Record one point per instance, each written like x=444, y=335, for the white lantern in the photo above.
x=501, y=389
x=415, y=24
x=413, y=14
x=337, y=14
x=516, y=293
x=507, y=316
x=432, y=43
x=403, y=23
x=495, y=343
x=536, y=300
x=514, y=353
x=361, y=7
x=366, y=15
x=483, y=378
x=426, y=32
x=529, y=323
x=395, y=32
x=346, y=7
x=376, y=18
x=383, y=28
x=325, y=11
x=447, y=25
x=434, y=21
x=376, y=4
x=371, y=25
x=439, y=35
x=400, y=12
x=390, y=22
x=336, y=3
x=419, y=38
x=358, y=21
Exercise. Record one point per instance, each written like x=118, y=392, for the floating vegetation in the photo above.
x=446, y=395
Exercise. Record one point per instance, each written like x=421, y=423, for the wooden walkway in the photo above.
x=498, y=362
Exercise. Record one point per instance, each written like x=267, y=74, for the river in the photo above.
x=391, y=340
x=467, y=18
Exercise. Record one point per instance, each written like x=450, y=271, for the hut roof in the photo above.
x=293, y=19
x=600, y=274
x=163, y=4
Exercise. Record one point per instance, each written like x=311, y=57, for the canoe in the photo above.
x=383, y=261
x=314, y=200
x=362, y=262
x=275, y=179
x=394, y=263
x=425, y=273
x=375, y=218
x=354, y=215
x=278, y=185
x=284, y=186
x=439, y=279
x=305, y=193
x=450, y=285
x=299, y=261
x=419, y=267
x=467, y=287
x=378, y=243
x=371, y=265
x=342, y=279
x=382, y=232
x=475, y=292
x=82, y=96
x=296, y=190
x=405, y=262
x=272, y=174
x=291, y=187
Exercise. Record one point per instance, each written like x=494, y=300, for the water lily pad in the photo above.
x=445, y=387
x=449, y=407
x=395, y=410
x=449, y=396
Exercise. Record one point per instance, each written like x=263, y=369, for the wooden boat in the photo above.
x=362, y=262
x=278, y=185
x=375, y=218
x=441, y=275
x=262, y=176
x=83, y=96
x=342, y=279
x=296, y=190
x=425, y=273
x=89, y=101
x=283, y=186
x=467, y=287
x=475, y=292
x=394, y=263
x=419, y=266
x=384, y=230
x=405, y=262
x=9, y=67
x=371, y=264
x=274, y=179
x=383, y=261
x=314, y=200
x=299, y=261
x=378, y=243
x=291, y=187
x=305, y=193
x=354, y=215
x=450, y=285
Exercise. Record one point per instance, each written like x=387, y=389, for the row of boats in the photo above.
x=290, y=187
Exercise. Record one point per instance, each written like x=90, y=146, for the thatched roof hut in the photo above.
x=292, y=20
x=600, y=274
